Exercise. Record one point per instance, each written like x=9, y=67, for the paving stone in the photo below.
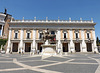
x=82, y=58
x=65, y=68
x=96, y=57
x=6, y=59
x=72, y=68
x=9, y=65
x=21, y=71
x=56, y=59
x=30, y=58
x=91, y=55
x=85, y=61
x=37, y=63
x=14, y=55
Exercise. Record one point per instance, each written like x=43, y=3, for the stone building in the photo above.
x=4, y=19
x=71, y=36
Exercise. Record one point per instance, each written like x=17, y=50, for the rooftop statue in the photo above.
x=5, y=11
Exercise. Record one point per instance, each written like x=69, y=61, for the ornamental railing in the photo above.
x=55, y=21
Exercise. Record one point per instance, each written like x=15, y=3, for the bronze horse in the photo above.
x=47, y=36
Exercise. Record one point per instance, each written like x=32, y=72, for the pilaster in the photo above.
x=9, y=42
x=83, y=42
x=72, y=48
x=34, y=37
x=21, y=40
x=94, y=42
x=58, y=37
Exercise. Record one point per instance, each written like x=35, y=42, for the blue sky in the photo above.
x=54, y=9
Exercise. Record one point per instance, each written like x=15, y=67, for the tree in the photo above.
x=97, y=41
x=3, y=42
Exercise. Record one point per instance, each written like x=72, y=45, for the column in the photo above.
x=1, y=30
x=83, y=42
x=9, y=42
x=94, y=42
x=21, y=40
x=58, y=37
x=72, y=48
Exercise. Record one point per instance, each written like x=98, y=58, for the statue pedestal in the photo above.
x=48, y=49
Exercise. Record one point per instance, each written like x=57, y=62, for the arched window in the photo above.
x=28, y=35
x=88, y=35
x=16, y=34
x=65, y=34
x=40, y=36
x=77, y=36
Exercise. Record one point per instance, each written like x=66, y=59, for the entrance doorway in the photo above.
x=65, y=47
x=15, y=47
x=40, y=47
x=27, y=47
x=77, y=47
x=89, y=47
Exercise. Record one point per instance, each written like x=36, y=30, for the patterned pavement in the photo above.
x=71, y=63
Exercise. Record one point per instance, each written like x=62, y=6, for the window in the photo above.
x=28, y=35
x=76, y=35
x=16, y=34
x=40, y=35
x=88, y=35
x=52, y=32
x=64, y=35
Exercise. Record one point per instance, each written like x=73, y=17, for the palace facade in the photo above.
x=70, y=36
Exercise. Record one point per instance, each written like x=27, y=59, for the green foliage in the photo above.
x=3, y=42
x=97, y=41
